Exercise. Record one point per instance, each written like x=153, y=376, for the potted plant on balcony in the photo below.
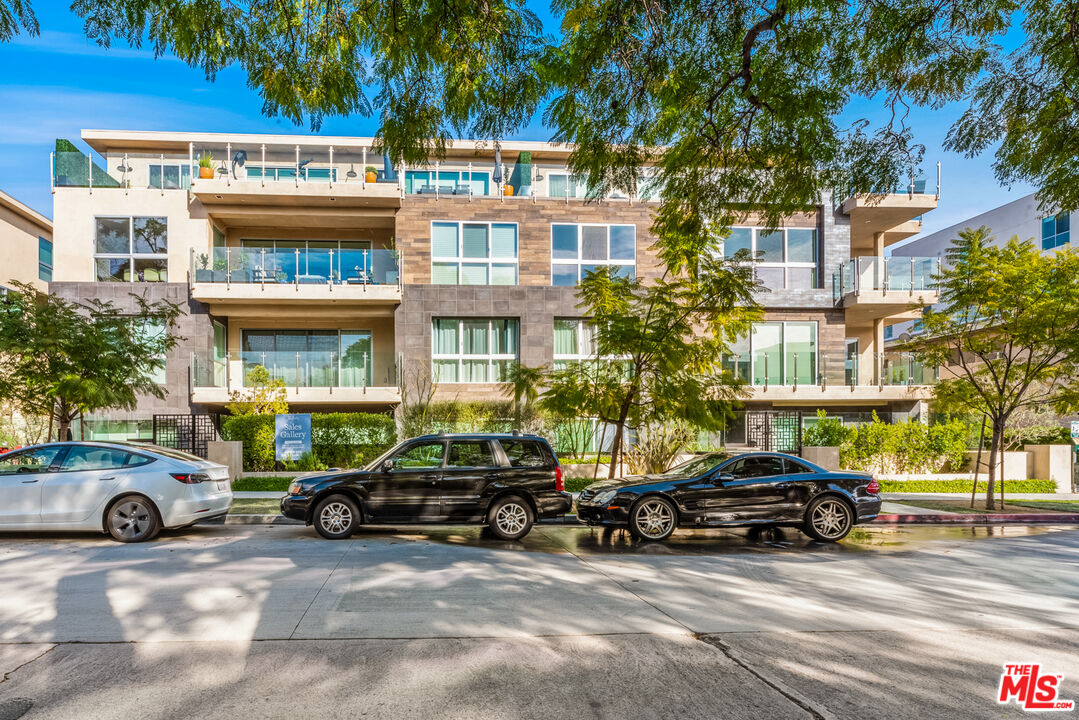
x=220, y=273
x=241, y=274
x=203, y=273
x=507, y=190
x=206, y=165
x=395, y=256
x=370, y=174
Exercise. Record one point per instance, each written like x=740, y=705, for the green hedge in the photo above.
x=261, y=484
x=337, y=439
x=578, y=484
x=963, y=486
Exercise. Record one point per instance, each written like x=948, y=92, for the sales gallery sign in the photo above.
x=292, y=436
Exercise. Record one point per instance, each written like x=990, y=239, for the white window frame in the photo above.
x=181, y=165
x=785, y=265
x=131, y=256
x=579, y=262
x=460, y=355
x=489, y=261
x=585, y=336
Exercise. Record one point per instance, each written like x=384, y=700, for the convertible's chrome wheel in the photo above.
x=132, y=520
x=654, y=519
x=511, y=518
x=335, y=517
x=830, y=519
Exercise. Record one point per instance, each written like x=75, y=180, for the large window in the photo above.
x=1056, y=231
x=473, y=350
x=150, y=331
x=776, y=353
x=473, y=253
x=449, y=182
x=44, y=259
x=574, y=341
x=560, y=185
x=310, y=358
x=579, y=249
x=786, y=258
x=131, y=249
x=168, y=176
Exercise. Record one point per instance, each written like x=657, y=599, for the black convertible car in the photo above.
x=717, y=490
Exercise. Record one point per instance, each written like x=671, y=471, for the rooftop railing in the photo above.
x=885, y=274
x=295, y=266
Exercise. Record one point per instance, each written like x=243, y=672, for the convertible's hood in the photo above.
x=623, y=482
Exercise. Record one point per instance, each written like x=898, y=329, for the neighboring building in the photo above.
x=1020, y=218
x=348, y=285
x=25, y=245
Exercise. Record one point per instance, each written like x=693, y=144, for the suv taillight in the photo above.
x=873, y=487
x=559, y=483
x=190, y=478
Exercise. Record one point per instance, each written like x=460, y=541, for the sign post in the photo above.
x=292, y=436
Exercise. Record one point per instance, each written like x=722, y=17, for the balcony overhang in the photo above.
x=862, y=308
x=838, y=395
x=282, y=204
x=888, y=214
x=319, y=396
x=281, y=299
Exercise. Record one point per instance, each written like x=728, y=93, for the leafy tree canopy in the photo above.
x=64, y=359
x=744, y=98
x=262, y=394
x=1006, y=331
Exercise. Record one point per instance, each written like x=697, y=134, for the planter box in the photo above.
x=204, y=275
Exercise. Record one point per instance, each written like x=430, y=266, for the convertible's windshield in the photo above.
x=698, y=465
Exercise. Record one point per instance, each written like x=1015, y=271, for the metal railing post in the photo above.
x=191, y=160
x=470, y=182
x=263, y=173
x=123, y=177
x=766, y=371
x=90, y=171
x=262, y=252
x=795, y=355
x=297, y=174
x=331, y=166
x=52, y=172
x=363, y=374
x=298, y=372
x=228, y=266
x=912, y=276
x=331, y=271
x=296, y=275
x=437, y=167
x=228, y=161
x=938, y=179
x=228, y=369
x=334, y=371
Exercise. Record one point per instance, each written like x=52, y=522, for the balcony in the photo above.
x=827, y=378
x=890, y=215
x=245, y=275
x=310, y=377
x=871, y=288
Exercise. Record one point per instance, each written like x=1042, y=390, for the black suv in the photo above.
x=506, y=481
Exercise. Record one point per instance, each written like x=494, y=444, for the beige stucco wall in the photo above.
x=74, y=226
x=18, y=248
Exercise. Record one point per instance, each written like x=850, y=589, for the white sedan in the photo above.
x=128, y=491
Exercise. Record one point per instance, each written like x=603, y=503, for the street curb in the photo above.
x=995, y=519
x=260, y=520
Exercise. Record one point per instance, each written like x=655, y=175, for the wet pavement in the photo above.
x=421, y=621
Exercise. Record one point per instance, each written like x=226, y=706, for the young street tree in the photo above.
x=262, y=395
x=1006, y=331
x=65, y=359
x=659, y=348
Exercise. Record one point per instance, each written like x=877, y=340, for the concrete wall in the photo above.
x=19, y=247
x=1052, y=462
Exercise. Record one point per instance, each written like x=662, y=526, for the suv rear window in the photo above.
x=524, y=453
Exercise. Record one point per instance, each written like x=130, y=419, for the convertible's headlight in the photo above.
x=604, y=497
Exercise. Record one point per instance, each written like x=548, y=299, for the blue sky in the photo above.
x=60, y=83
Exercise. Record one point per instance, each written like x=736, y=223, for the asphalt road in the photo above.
x=270, y=621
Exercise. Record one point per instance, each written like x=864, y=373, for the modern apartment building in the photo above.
x=350, y=278
x=1020, y=218
x=25, y=245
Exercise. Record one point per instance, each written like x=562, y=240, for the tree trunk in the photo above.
x=995, y=456
x=616, y=447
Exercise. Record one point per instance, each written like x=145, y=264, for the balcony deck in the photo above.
x=234, y=295
x=839, y=395
x=326, y=396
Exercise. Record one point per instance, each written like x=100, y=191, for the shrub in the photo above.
x=825, y=432
x=905, y=447
x=1037, y=435
x=337, y=439
x=657, y=446
x=306, y=463
x=963, y=486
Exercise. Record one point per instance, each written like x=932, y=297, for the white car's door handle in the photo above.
x=110, y=477
x=27, y=482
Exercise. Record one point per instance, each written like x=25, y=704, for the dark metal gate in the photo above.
x=774, y=430
x=189, y=433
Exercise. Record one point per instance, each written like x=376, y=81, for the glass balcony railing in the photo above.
x=896, y=273
x=331, y=265
x=302, y=369
x=823, y=369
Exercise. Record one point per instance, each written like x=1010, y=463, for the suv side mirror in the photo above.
x=387, y=465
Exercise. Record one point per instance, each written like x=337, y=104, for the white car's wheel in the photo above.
x=132, y=518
